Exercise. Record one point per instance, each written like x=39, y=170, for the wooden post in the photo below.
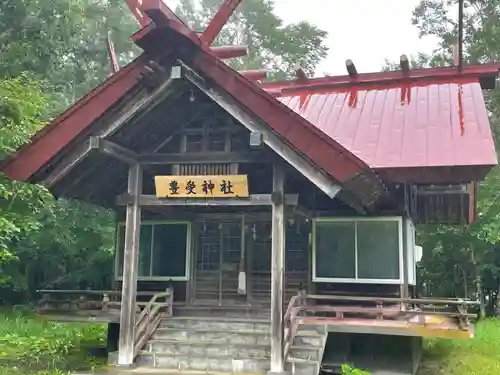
x=277, y=270
x=130, y=265
x=405, y=291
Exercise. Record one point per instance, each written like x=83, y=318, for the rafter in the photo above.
x=351, y=68
x=220, y=19
x=134, y=6
x=112, y=149
x=229, y=52
x=404, y=63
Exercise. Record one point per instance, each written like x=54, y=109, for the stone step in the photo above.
x=203, y=348
x=147, y=370
x=319, y=328
x=305, y=352
x=203, y=363
x=200, y=310
x=299, y=366
x=252, y=337
x=216, y=324
x=309, y=338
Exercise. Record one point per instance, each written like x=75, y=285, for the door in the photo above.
x=259, y=248
x=218, y=262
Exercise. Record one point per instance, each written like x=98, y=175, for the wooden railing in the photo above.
x=296, y=305
x=383, y=308
x=150, y=318
x=394, y=308
x=67, y=300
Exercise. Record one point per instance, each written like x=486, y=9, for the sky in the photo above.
x=365, y=31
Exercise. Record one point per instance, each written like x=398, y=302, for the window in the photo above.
x=358, y=250
x=163, y=250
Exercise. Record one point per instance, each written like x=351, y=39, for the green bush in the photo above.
x=349, y=370
x=43, y=347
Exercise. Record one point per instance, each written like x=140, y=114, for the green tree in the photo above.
x=273, y=44
x=22, y=105
x=63, y=42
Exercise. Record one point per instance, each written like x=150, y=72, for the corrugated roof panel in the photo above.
x=404, y=125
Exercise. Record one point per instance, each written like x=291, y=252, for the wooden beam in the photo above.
x=460, y=37
x=217, y=23
x=112, y=149
x=229, y=52
x=204, y=157
x=67, y=164
x=404, y=63
x=254, y=75
x=299, y=162
x=300, y=73
x=112, y=55
x=405, y=291
x=274, y=92
x=130, y=266
x=141, y=17
x=351, y=68
x=83, y=150
x=253, y=200
x=277, y=270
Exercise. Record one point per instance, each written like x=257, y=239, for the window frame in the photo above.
x=187, y=272
x=356, y=279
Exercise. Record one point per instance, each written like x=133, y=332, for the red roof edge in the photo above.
x=490, y=70
x=22, y=164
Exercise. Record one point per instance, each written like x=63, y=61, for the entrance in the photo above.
x=219, y=259
x=259, y=260
x=240, y=246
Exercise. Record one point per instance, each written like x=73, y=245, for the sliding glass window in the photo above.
x=360, y=250
x=164, y=249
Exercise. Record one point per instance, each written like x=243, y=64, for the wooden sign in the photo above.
x=228, y=186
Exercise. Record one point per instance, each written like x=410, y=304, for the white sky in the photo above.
x=365, y=31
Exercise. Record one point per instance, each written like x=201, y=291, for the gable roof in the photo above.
x=298, y=126
x=320, y=149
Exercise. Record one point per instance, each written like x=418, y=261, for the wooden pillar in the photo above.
x=277, y=269
x=130, y=265
x=405, y=293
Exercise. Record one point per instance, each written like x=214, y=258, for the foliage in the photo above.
x=46, y=348
x=43, y=242
x=63, y=42
x=349, y=370
x=480, y=355
x=21, y=108
x=273, y=45
x=463, y=260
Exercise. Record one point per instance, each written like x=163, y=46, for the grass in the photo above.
x=30, y=345
x=33, y=346
x=479, y=356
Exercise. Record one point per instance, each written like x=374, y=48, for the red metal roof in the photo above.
x=420, y=124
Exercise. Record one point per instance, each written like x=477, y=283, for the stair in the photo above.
x=306, y=353
x=219, y=344
x=227, y=344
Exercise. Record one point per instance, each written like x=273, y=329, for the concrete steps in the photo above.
x=228, y=345
x=306, y=353
x=221, y=344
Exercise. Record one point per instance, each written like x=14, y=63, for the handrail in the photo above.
x=150, y=317
x=380, y=311
x=290, y=324
x=443, y=301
